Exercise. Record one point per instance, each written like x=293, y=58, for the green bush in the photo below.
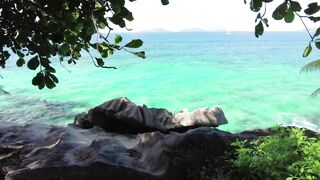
x=288, y=154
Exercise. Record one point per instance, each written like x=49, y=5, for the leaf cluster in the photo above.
x=288, y=11
x=37, y=30
x=288, y=154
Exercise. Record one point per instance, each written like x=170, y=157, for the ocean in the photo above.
x=256, y=81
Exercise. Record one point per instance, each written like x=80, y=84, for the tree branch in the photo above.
x=305, y=26
x=92, y=59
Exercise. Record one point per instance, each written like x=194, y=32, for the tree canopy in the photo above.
x=37, y=30
x=288, y=11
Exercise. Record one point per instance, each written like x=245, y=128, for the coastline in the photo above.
x=120, y=140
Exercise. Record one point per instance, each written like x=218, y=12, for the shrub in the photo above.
x=288, y=154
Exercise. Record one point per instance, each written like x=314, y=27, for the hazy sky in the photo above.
x=230, y=15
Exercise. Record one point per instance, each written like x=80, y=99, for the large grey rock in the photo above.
x=50, y=152
x=199, y=117
x=123, y=116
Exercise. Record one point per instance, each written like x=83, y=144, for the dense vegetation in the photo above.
x=37, y=30
x=287, y=154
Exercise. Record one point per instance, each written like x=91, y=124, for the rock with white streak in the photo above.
x=199, y=117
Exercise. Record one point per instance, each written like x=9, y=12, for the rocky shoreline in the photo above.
x=118, y=140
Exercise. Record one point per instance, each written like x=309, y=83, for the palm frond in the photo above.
x=315, y=93
x=312, y=66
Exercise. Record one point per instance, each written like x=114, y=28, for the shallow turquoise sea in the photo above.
x=255, y=81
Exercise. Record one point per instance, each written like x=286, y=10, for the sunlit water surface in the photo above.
x=255, y=81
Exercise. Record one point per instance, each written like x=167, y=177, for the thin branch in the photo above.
x=305, y=26
x=265, y=10
x=93, y=61
x=97, y=30
x=109, y=67
x=65, y=67
x=127, y=28
x=304, y=16
x=106, y=38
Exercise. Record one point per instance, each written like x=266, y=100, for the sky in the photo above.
x=211, y=15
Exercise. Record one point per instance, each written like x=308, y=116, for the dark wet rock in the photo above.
x=40, y=152
x=123, y=116
x=50, y=152
x=82, y=121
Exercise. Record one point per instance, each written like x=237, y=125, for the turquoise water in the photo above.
x=255, y=81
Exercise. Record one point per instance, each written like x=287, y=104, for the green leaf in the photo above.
x=255, y=5
x=20, y=62
x=140, y=54
x=72, y=17
x=116, y=19
x=117, y=39
x=314, y=19
x=49, y=82
x=135, y=43
x=35, y=80
x=259, y=29
x=317, y=33
x=126, y=14
x=280, y=11
x=317, y=44
x=20, y=54
x=312, y=8
x=295, y=6
x=100, y=62
x=102, y=46
x=312, y=66
x=70, y=37
x=307, y=51
x=64, y=49
x=33, y=63
x=45, y=62
x=38, y=80
x=50, y=69
x=104, y=53
x=102, y=24
x=54, y=78
x=75, y=14
x=165, y=2
x=289, y=17
x=265, y=21
x=110, y=52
